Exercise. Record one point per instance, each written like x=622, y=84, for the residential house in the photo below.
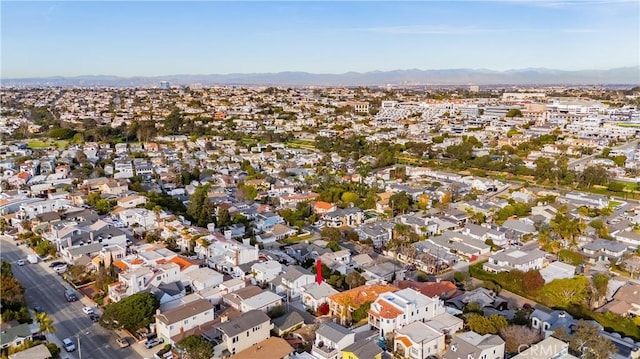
x=393, y=310
x=602, y=250
x=131, y=201
x=174, y=322
x=235, y=298
x=628, y=237
x=292, y=281
x=376, y=232
x=557, y=270
x=469, y=345
x=351, y=217
x=363, y=349
x=271, y=348
x=440, y=289
x=418, y=340
x=202, y=278
x=243, y=332
x=15, y=335
x=321, y=207
x=548, y=321
x=266, y=271
x=519, y=228
x=314, y=294
x=339, y=261
x=264, y=301
x=514, y=258
x=287, y=323
x=330, y=339
x=626, y=301
x=38, y=352
x=342, y=304
x=549, y=348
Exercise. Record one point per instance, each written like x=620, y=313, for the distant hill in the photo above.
x=622, y=75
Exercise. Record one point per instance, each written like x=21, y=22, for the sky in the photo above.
x=155, y=38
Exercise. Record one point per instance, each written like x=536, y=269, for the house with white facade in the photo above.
x=514, y=258
x=393, y=310
x=171, y=323
x=266, y=271
x=331, y=339
x=314, y=294
x=469, y=345
x=418, y=340
x=243, y=332
x=292, y=281
x=202, y=278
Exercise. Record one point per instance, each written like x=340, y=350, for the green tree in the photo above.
x=587, y=341
x=330, y=233
x=334, y=246
x=400, y=202
x=195, y=347
x=481, y=324
x=593, y=175
x=514, y=112
x=45, y=247
x=45, y=322
x=200, y=208
x=355, y=279
x=132, y=313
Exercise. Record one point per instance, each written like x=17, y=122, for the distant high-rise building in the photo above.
x=165, y=85
x=474, y=88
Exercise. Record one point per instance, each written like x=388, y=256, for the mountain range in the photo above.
x=413, y=77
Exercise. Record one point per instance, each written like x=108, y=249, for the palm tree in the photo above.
x=46, y=323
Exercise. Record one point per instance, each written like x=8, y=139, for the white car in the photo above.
x=20, y=262
x=69, y=346
x=87, y=310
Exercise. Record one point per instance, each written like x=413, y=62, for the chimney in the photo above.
x=319, y=271
x=237, y=257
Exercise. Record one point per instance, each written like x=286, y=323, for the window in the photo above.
x=247, y=333
x=186, y=321
x=235, y=339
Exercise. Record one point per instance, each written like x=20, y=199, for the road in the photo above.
x=573, y=163
x=46, y=289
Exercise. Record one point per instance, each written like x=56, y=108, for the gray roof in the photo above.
x=519, y=226
x=242, y=323
x=38, y=352
x=333, y=331
x=364, y=348
x=288, y=320
x=612, y=246
x=321, y=290
x=515, y=256
x=12, y=333
x=419, y=332
x=294, y=272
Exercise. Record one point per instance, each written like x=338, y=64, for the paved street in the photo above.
x=46, y=289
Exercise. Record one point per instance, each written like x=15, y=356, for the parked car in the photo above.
x=122, y=342
x=70, y=295
x=41, y=337
x=38, y=309
x=33, y=259
x=60, y=269
x=21, y=262
x=56, y=264
x=94, y=317
x=150, y=343
x=69, y=346
x=88, y=310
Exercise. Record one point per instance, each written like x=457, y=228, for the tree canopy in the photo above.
x=132, y=313
x=195, y=347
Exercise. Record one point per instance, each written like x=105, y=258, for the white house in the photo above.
x=292, y=281
x=418, y=340
x=245, y=331
x=173, y=322
x=514, y=258
x=266, y=271
x=331, y=338
x=264, y=301
x=393, y=310
x=202, y=278
x=473, y=345
x=314, y=294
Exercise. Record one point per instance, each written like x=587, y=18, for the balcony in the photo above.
x=325, y=352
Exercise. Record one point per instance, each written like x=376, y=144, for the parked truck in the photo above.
x=32, y=258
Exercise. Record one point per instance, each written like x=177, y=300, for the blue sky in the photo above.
x=160, y=37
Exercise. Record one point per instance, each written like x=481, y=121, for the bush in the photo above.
x=360, y=313
x=276, y=312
